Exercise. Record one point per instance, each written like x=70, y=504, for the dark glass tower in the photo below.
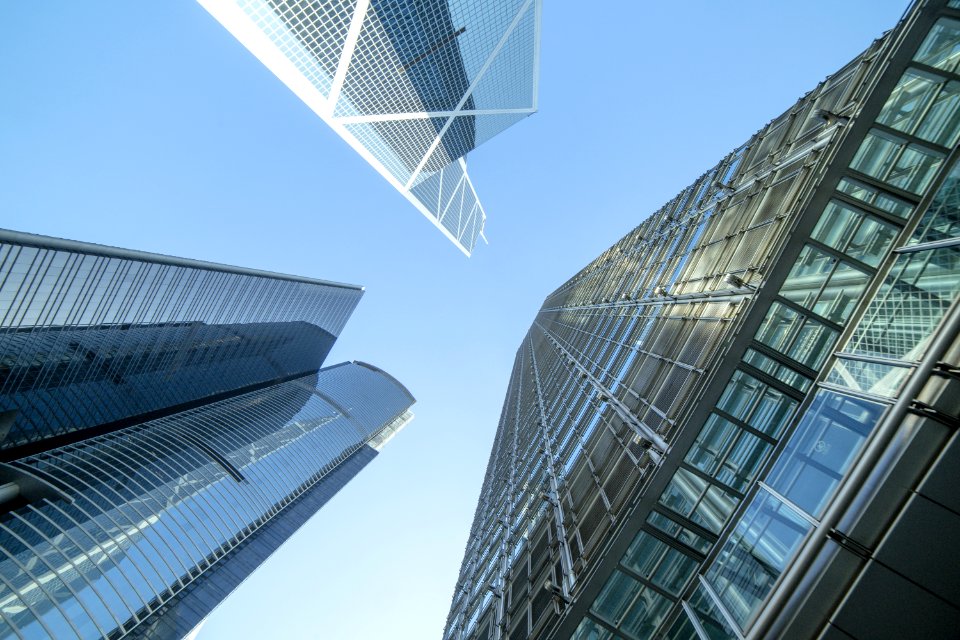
x=740, y=420
x=167, y=425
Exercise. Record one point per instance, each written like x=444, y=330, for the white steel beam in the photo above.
x=423, y=115
x=346, y=56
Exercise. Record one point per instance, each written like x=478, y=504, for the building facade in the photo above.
x=739, y=421
x=167, y=425
x=412, y=86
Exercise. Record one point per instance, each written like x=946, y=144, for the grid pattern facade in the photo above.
x=675, y=425
x=413, y=86
x=137, y=515
x=140, y=332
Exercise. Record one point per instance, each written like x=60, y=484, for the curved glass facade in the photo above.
x=141, y=513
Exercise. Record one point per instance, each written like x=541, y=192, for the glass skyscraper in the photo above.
x=166, y=424
x=740, y=420
x=411, y=85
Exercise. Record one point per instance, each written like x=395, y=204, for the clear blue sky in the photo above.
x=146, y=125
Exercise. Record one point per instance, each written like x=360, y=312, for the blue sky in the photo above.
x=146, y=125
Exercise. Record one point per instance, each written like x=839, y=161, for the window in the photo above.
x=854, y=233
x=822, y=449
x=755, y=555
x=900, y=164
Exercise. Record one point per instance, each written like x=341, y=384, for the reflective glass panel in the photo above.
x=821, y=450
x=617, y=595
x=854, y=233
x=873, y=196
x=894, y=161
x=755, y=555
x=909, y=306
x=941, y=220
x=941, y=48
x=590, y=630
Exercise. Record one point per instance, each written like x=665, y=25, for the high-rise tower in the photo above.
x=740, y=420
x=167, y=424
x=412, y=86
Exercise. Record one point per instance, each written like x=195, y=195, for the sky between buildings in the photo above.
x=145, y=125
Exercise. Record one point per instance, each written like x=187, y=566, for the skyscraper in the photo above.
x=166, y=425
x=740, y=420
x=411, y=86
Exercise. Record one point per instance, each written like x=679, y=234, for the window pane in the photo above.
x=755, y=555
x=854, y=233
x=909, y=306
x=873, y=196
x=714, y=509
x=876, y=155
x=807, y=277
x=644, y=554
x=843, y=291
x=779, y=371
x=942, y=219
x=915, y=168
x=711, y=446
x=822, y=449
x=942, y=122
x=838, y=223
x=941, y=49
x=674, y=572
x=871, y=242
x=909, y=100
x=590, y=630
x=675, y=530
x=645, y=615
x=709, y=616
x=616, y=596
x=871, y=377
x=683, y=492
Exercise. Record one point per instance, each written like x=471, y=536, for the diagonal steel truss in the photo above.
x=422, y=172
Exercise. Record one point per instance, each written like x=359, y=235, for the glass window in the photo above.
x=590, y=630
x=809, y=274
x=909, y=100
x=684, y=492
x=914, y=169
x=941, y=124
x=755, y=555
x=827, y=286
x=679, y=532
x=779, y=371
x=646, y=615
x=709, y=616
x=791, y=333
x=822, y=449
x=870, y=377
x=727, y=452
x=757, y=404
x=873, y=196
x=941, y=220
x=894, y=161
x=697, y=499
x=841, y=293
x=909, y=306
x=854, y=233
x=941, y=48
x=658, y=562
x=617, y=595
